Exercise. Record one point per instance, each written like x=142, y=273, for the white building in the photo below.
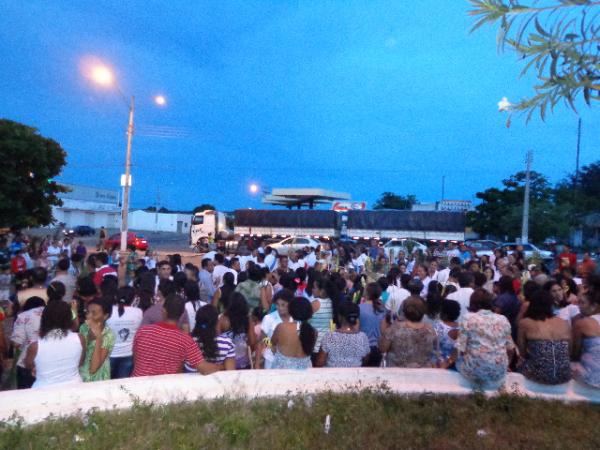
x=455, y=205
x=85, y=205
x=152, y=221
x=424, y=207
x=444, y=205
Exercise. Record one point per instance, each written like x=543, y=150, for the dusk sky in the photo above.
x=360, y=97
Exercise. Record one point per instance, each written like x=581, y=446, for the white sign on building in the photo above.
x=85, y=205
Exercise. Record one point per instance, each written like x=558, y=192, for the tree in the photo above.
x=28, y=164
x=389, y=200
x=559, y=40
x=203, y=207
x=501, y=210
x=581, y=192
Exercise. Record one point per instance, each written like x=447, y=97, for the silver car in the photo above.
x=407, y=246
x=529, y=250
x=293, y=244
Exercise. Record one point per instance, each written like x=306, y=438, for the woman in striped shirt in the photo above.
x=216, y=348
x=324, y=306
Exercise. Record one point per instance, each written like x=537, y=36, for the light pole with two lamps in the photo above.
x=103, y=76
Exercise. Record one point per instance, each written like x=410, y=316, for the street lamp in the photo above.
x=103, y=76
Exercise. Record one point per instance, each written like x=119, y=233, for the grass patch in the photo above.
x=361, y=420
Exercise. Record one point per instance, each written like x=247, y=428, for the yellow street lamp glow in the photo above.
x=160, y=100
x=102, y=75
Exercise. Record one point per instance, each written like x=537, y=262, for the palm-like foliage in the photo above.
x=558, y=39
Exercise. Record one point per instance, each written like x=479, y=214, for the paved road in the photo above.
x=164, y=243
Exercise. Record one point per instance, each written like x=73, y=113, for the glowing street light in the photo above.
x=102, y=75
x=254, y=188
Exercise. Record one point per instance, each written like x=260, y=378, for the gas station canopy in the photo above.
x=298, y=197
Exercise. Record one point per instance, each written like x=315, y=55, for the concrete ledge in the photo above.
x=58, y=401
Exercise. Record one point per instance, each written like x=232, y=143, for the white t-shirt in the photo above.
x=150, y=262
x=270, y=262
x=218, y=273
x=396, y=298
x=67, y=248
x=443, y=275
x=268, y=325
x=463, y=297
x=191, y=312
x=294, y=265
x=311, y=259
x=568, y=313
x=53, y=252
x=124, y=328
x=210, y=255
x=57, y=360
x=425, y=289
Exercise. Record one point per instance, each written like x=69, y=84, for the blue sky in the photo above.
x=361, y=97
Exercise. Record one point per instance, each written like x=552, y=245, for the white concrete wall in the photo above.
x=96, y=219
x=35, y=405
x=150, y=221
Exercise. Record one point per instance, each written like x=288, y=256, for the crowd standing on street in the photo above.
x=71, y=315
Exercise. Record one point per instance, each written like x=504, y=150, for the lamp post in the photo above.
x=103, y=76
x=127, y=181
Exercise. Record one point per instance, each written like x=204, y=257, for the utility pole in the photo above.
x=443, y=187
x=127, y=179
x=525, y=225
x=156, y=208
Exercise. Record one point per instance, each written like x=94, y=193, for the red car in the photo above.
x=133, y=239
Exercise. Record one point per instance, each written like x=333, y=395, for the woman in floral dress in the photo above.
x=484, y=343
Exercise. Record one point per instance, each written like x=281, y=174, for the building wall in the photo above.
x=150, y=221
x=85, y=205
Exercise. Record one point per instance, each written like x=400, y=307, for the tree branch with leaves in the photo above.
x=560, y=42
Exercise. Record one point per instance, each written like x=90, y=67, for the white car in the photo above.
x=482, y=247
x=407, y=246
x=529, y=250
x=293, y=244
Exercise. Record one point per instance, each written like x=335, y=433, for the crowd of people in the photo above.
x=89, y=316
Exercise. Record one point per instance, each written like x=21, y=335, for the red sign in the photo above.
x=347, y=206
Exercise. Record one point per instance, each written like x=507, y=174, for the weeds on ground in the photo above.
x=361, y=419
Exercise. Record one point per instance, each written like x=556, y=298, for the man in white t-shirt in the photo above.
x=464, y=292
x=396, y=297
x=444, y=274
x=124, y=327
x=294, y=262
x=311, y=258
x=270, y=259
x=220, y=270
x=53, y=253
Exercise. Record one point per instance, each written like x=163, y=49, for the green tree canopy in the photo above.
x=28, y=164
x=581, y=194
x=389, y=200
x=558, y=39
x=501, y=210
x=204, y=207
